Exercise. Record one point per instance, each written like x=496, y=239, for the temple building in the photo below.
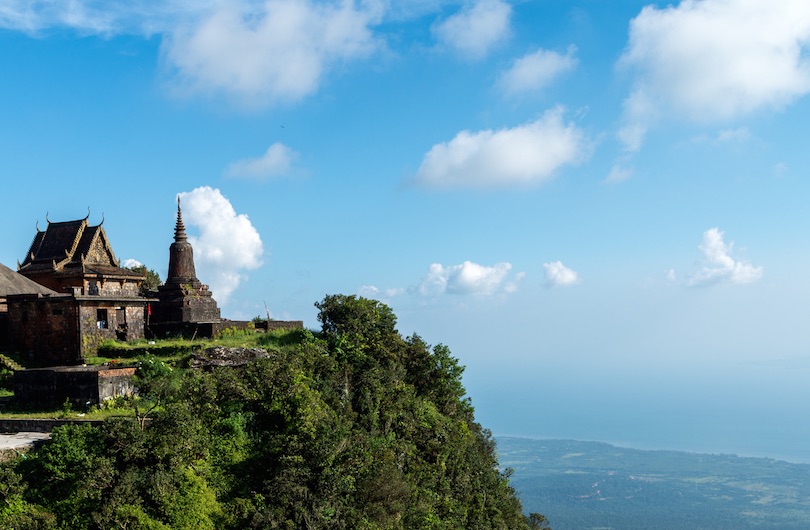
x=185, y=305
x=70, y=294
x=89, y=297
x=75, y=257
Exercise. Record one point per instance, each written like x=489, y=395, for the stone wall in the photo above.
x=280, y=324
x=114, y=288
x=81, y=385
x=5, y=341
x=65, y=329
x=109, y=319
x=44, y=329
x=97, y=323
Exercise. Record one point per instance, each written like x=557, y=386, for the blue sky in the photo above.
x=599, y=206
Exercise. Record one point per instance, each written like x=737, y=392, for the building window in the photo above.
x=56, y=312
x=101, y=319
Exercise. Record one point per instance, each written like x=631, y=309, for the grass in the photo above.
x=64, y=415
x=174, y=352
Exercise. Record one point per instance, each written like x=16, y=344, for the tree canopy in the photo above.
x=152, y=281
x=355, y=427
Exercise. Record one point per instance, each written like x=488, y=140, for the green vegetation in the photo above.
x=175, y=350
x=356, y=428
x=152, y=281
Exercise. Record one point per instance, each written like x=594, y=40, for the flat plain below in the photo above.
x=597, y=486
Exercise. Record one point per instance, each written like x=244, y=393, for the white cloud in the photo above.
x=715, y=60
x=512, y=285
x=527, y=154
x=276, y=161
x=468, y=278
x=371, y=291
x=535, y=71
x=34, y=16
x=475, y=29
x=129, y=263
x=619, y=173
x=558, y=275
x=275, y=51
x=256, y=52
x=100, y=17
x=227, y=245
x=719, y=265
x=737, y=135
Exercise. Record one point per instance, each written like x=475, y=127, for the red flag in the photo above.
x=149, y=309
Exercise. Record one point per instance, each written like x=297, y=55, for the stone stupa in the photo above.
x=185, y=305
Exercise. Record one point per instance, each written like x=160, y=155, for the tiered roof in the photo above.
x=73, y=247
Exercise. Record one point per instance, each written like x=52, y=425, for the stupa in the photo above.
x=184, y=301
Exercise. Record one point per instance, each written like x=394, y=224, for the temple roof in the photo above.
x=12, y=282
x=73, y=246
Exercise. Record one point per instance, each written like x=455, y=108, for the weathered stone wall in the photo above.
x=105, y=287
x=64, y=330
x=44, y=330
x=264, y=325
x=185, y=303
x=136, y=322
x=5, y=340
x=94, y=327
x=81, y=385
x=114, y=382
x=102, y=319
x=284, y=324
x=188, y=330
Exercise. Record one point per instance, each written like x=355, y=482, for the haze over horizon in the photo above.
x=598, y=206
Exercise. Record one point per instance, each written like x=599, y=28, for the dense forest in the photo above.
x=355, y=427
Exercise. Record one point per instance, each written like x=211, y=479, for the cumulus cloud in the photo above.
x=468, y=278
x=130, y=263
x=527, y=154
x=276, y=161
x=371, y=291
x=262, y=54
x=719, y=265
x=227, y=244
x=714, y=60
x=256, y=52
x=535, y=71
x=32, y=16
x=558, y=275
x=475, y=29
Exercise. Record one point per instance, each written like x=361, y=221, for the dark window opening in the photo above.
x=101, y=319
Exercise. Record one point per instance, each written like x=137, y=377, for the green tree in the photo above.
x=152, y=281
x=357, y=428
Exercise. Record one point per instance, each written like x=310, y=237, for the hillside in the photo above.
x=356, y=428
x=590, y=485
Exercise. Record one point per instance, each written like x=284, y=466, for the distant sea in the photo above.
x=746, y=410
x=589, y=485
